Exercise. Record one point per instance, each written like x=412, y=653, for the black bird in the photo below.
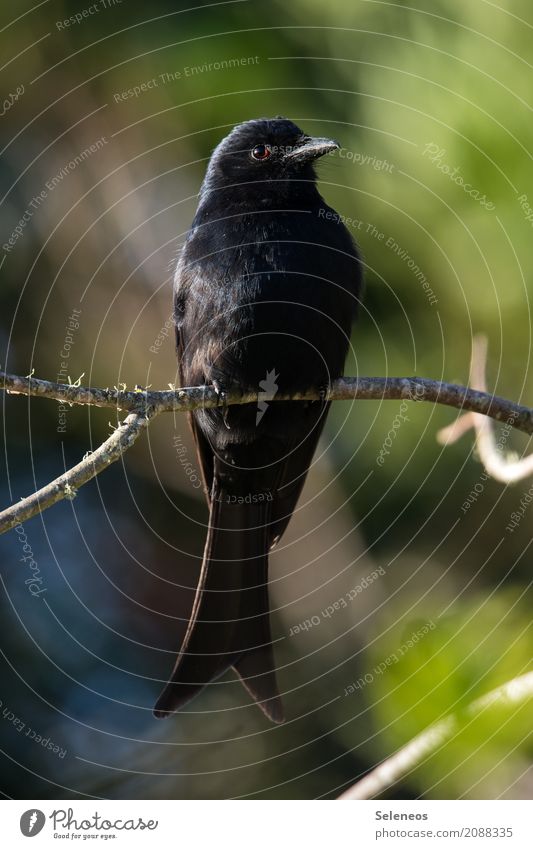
x=266, y=289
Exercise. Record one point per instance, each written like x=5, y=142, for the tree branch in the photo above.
x=144, y=404
x=345, y=389
x=67, y=484
x=390, y=771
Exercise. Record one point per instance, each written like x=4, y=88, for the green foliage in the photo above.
x=478, y=644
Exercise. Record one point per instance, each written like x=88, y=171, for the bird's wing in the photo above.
x=203, y=449
x=294, y=472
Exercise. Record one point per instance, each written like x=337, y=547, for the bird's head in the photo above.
x=272, y=155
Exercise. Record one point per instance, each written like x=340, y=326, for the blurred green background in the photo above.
x=432, y=105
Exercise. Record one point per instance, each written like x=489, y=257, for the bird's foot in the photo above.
x=222, y=401
x=221, y=395
x=324, y=393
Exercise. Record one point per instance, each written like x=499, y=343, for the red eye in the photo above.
x=261, y=152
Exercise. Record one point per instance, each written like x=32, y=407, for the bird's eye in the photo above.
x=261, y=152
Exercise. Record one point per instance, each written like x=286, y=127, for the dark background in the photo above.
x=82, y=663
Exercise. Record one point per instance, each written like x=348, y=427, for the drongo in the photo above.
x=266, y=290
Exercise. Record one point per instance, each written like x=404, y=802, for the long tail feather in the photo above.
x=229, y=624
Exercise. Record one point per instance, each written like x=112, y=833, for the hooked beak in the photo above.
x=311, y=148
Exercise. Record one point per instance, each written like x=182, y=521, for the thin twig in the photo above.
x=144, y=404
x=503, y=467
x=345, y=389
x=513, y=693
x=67, y=484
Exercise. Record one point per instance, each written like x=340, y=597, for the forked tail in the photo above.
x=229, y=624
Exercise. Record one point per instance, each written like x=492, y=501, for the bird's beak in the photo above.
x=311, y=148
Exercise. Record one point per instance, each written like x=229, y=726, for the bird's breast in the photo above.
x=269, y=292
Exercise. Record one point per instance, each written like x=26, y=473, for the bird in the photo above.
x=266, y=289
